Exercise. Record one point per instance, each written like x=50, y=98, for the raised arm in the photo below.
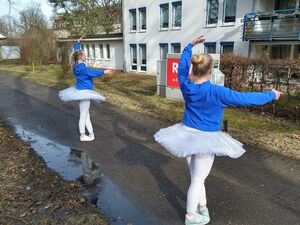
x=229, y=97
x=185, y=59
x=77, y=46
x=185, y=63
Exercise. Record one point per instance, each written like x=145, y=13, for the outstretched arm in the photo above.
x=229, y=97
x=97, y=73
x=185, y=59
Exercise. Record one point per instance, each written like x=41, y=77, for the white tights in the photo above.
x=84, y=119
x=199, y=167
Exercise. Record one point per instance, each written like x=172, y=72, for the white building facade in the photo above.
x=151, y=29
x=102, y=51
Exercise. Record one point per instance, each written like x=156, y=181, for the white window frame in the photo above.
x=207, y=14
x=160, y=17
x=131, y=57
x=224, y=14
x=141, y=29
x=131, y=20
x=161, y=45
x=173, y=45
x=141, y=57
x=174, y=27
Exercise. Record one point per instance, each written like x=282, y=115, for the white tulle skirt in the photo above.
x=183, y=141
x=73, y=94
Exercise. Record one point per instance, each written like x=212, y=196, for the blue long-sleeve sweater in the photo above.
x=205, y=102
x=84, y=75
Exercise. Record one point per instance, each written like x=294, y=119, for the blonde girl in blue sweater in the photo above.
x=199, y=138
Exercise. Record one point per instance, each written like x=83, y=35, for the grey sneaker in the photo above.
x=203, y=213
x=196, y=219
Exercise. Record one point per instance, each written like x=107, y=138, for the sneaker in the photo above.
x=203, y=213
x=86, y=138
x=196, y=219
x=92, y=136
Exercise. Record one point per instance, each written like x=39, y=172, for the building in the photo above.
x=273, y=29
x=9, y=48
x=151, y=29
x=102, y=51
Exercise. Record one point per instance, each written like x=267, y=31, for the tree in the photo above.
x=8, y=26
x=89, y=16
x=37, y=41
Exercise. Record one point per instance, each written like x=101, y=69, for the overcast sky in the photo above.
x=21, y=4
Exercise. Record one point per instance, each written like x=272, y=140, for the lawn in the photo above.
x=138, y=93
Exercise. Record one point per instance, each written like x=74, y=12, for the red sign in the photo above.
x=172, y=72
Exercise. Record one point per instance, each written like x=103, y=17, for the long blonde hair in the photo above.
x=202, y=64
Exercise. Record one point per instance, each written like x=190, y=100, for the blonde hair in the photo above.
x=202, y=63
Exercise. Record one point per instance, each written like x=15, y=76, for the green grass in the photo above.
x=138, y=92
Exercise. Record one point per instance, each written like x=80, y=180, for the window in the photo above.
x=142, y=19
x=227, y=47
x=82, y=48
x=101, y=51
x=176, y=47
x=143, y=57
x=176, y=14
x=132, y=15
x=212, y=11
x=133, y=57
x=93, y=51
x=88, y=50
x=229, y=11
x=163, y=51
x=107, y=51
x=164, y=16
x=210, y=47
x=297, y=52
x=286, y=4
x=280, y=51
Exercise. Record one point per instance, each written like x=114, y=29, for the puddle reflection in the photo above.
x=73, y=164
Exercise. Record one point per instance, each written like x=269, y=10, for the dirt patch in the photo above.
x=31, y=193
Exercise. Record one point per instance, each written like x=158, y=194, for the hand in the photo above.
x=109, y=71
x=198, y=40
x=81, y=38
x=277, y=93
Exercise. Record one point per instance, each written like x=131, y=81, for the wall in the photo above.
x=193, y=24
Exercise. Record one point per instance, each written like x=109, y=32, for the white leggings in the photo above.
x=199, y=167
x=84, y=119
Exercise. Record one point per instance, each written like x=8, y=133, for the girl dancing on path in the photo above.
x=83, y=91
x=198, y=138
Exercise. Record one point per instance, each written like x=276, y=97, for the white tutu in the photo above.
x=183, y=141
x=72, y=93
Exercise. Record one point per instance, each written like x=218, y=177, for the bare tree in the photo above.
x=89, y=16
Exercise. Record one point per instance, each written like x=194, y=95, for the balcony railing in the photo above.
x=273, y=25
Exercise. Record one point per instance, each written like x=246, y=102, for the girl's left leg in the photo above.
x=89, y=125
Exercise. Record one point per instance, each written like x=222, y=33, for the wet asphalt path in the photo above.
x=259, y=188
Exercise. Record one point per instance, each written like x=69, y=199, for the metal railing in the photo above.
x=272, y=25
